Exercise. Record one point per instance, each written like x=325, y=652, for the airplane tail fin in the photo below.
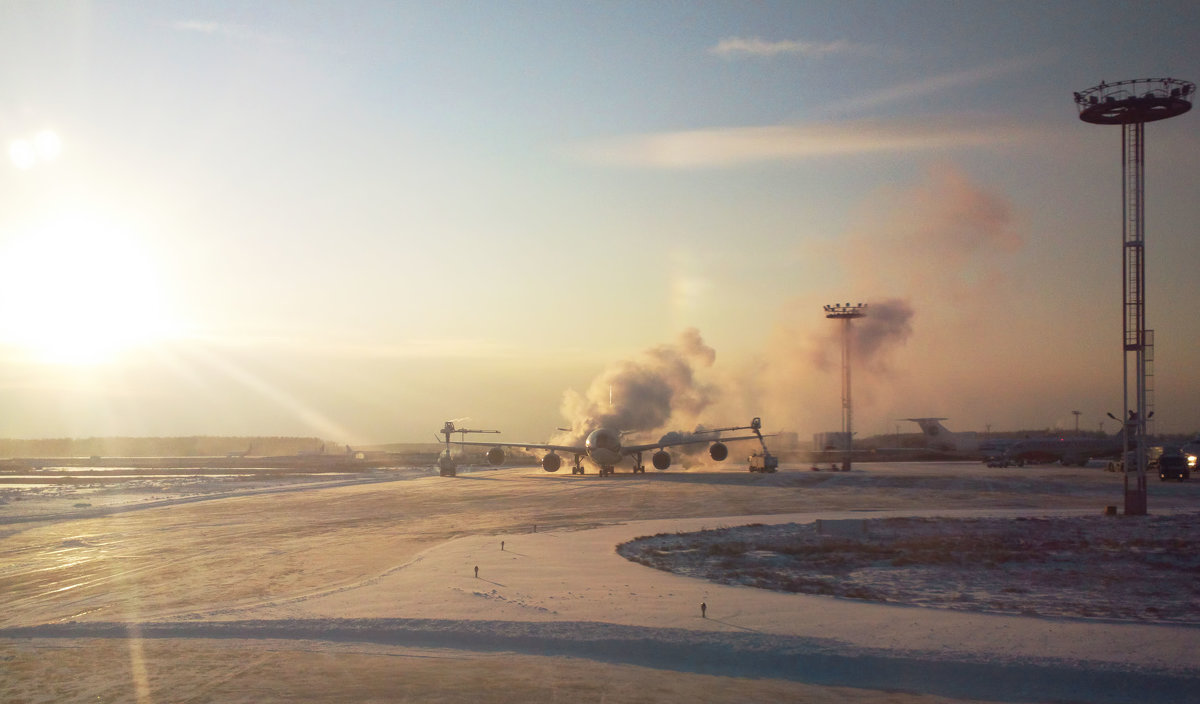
x=932, y=427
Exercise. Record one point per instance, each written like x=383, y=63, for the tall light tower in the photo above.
x=1131, y=104
x=846, y=313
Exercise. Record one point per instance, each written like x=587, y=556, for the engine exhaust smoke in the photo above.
x=658, y=387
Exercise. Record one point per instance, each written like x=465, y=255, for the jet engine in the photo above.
x=718, y=451
x=551, y=462
x=661, y=459
x=496, y=455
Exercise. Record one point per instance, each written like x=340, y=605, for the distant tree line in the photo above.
x=192, y=446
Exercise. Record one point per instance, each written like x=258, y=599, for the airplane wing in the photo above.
x=694, y=440
x=577, y=449
x=581, y=450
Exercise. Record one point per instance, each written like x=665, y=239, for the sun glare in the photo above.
x=26, y=153
x=79, y=291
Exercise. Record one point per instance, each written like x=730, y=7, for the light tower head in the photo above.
x=845, y=311
x=1136, y=100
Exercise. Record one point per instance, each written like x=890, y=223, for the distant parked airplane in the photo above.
x=939, y=437
x=1067, y=450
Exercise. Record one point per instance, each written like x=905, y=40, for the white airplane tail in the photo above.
x=939, y=437
x=932, y=427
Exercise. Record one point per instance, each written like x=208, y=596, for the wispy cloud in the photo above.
x=913, y=90
x=733, y=146
x=734, y=47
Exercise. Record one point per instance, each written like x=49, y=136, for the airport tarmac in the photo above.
x=367, y=592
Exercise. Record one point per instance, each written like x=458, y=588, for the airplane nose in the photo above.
x=603, y=439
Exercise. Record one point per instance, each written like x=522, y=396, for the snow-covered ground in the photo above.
x=1142, y=569
x=36, y=496
x=378, y=576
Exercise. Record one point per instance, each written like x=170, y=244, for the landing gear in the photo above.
x=578, y=468
x=638, y=467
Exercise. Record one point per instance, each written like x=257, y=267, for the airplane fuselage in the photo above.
x=1066, y=450
x=604, y=447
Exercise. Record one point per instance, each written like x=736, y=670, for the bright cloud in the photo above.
x=740, y=145
x=733, y=47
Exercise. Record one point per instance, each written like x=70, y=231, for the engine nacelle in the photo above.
x=661, y=459
x=718, y=451
x=496, y=455
x=551, y=462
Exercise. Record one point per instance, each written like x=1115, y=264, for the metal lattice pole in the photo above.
x=846, y=313
x=1133, y=159
x=847, y=405
x=1132, y=104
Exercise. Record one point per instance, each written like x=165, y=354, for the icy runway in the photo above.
x=391, y=566
x=824, y=662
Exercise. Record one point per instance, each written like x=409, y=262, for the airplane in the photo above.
x=1067, y=450
x=939, y=437
x=603, y=447
x=1075, y=450
x=243, y=453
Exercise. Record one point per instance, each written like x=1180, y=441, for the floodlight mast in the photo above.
x=846, y=312
x=1131, y=104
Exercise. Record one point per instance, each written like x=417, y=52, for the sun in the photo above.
x=79, y=290
x=28, y=152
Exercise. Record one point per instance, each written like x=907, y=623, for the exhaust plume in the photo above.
x=886, y=326
x=656, y=388
x=942, y=246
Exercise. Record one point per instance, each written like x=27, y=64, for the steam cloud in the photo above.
x=941, y=246
x=942, y=238
x=658, y=387
x=887, y=325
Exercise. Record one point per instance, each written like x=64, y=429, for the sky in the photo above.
x=358, y=220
